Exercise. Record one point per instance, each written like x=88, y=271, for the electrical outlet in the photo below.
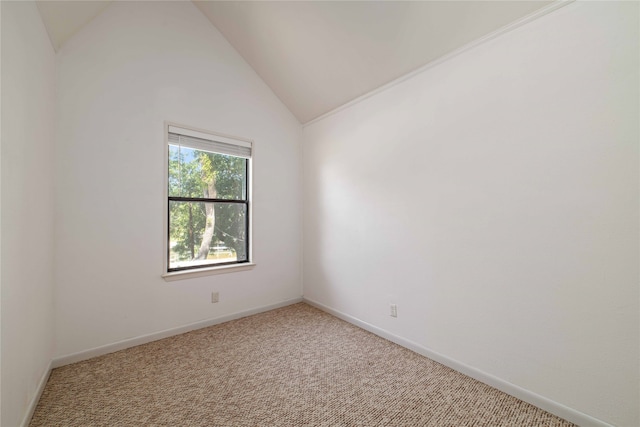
x=215, y=297
x=394, y=310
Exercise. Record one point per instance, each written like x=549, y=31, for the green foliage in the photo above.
x=194, y=173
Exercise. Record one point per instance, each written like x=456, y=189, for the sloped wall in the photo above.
x=130, y=69
x=494, y=199
x=28, y=110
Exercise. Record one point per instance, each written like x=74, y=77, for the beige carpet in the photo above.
x=295, y=366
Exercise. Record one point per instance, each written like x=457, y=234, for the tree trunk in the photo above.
x=191, y=241
x=210, y=193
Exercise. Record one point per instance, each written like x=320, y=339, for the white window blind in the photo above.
x=210, y=143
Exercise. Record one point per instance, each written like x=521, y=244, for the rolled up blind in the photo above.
x=211, y=143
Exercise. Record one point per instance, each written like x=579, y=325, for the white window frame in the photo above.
x=210, y=269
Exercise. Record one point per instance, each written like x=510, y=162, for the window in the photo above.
x=208, y=207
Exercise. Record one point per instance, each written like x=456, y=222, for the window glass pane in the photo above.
x=195, y=173
x=206, y=233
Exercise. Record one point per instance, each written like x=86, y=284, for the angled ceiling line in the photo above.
x=557, y=4
x=320, y=57
x=64, y=19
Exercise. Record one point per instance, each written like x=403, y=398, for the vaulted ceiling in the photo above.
x=316, y=55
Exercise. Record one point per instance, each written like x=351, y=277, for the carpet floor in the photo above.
x=294, y=366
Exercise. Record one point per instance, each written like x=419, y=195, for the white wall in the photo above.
x=0, y=214
x=28, y=107
x=494, y=198
x=133, y=67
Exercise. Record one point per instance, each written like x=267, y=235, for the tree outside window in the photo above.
x=208, y=204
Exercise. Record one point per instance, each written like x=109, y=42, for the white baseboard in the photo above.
x=541, y=402
x=132, y=342
x=36, y=398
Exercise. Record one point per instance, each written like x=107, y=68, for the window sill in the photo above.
x=189, y=274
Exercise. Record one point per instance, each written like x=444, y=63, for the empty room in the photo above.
x=368, y=213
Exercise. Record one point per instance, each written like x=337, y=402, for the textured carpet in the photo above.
x=294, y=366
